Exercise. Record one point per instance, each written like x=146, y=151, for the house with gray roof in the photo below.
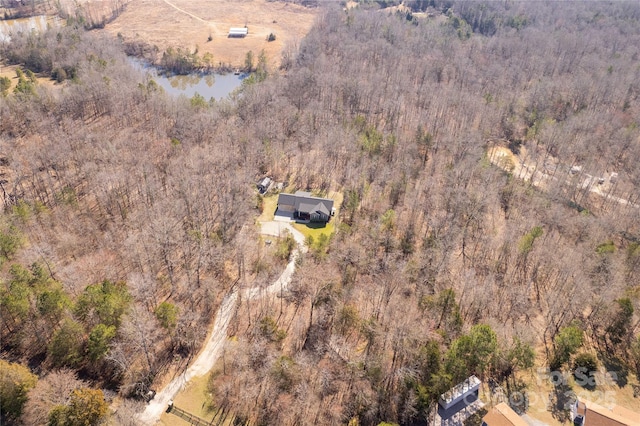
x=306, y=207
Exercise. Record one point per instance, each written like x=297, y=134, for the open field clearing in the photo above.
x=10, y=71
x=185, y=24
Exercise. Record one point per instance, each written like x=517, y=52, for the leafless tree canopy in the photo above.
x=107, y=178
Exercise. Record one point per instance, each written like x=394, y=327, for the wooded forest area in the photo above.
x=128, y=214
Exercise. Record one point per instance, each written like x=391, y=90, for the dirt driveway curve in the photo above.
x=213, y=347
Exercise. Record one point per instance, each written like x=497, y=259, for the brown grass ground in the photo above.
x=188, y=24
x=10, y=71
x=606, y=393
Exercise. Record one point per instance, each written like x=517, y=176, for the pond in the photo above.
x=37, y=23
x=217, y=86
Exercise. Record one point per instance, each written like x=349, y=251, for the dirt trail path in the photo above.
x=211, y=24
x=213, y=347
x=185, y=12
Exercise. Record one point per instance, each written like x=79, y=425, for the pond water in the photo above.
x=217, y=86
x=37, y=23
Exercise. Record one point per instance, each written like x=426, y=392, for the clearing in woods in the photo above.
x=10, y=71
x=189, y=24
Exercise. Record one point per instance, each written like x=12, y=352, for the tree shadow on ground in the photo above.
x=560, y=400
x=315, y=225
x=476, y=418
x=586, y=377
x=616, y=369
x=518, y=398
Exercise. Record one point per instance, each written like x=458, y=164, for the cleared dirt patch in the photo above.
x=503, y=157
x=189, y=24
x=10, y=71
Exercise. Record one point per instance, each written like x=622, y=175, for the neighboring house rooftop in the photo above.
x=597, y=415
x=503, y=415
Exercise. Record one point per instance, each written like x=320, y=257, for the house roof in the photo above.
x=305, y=207
x=597, y=415
x=503, y=415
x=625, y=413
x=306, y=203
x=287, y=199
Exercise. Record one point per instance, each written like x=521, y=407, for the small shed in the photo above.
x=613, y=178
x=238, y=32
x=467, y=390
x=575, y=170
x=264, y=185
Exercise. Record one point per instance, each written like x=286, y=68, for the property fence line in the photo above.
x=220, y=417
x=184, y=415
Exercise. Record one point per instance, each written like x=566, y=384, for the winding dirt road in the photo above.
x=213, y=347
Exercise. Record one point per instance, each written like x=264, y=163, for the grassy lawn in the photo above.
x=168, y=419
x=270, y=204
x=192, y=399
x=315, y=229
